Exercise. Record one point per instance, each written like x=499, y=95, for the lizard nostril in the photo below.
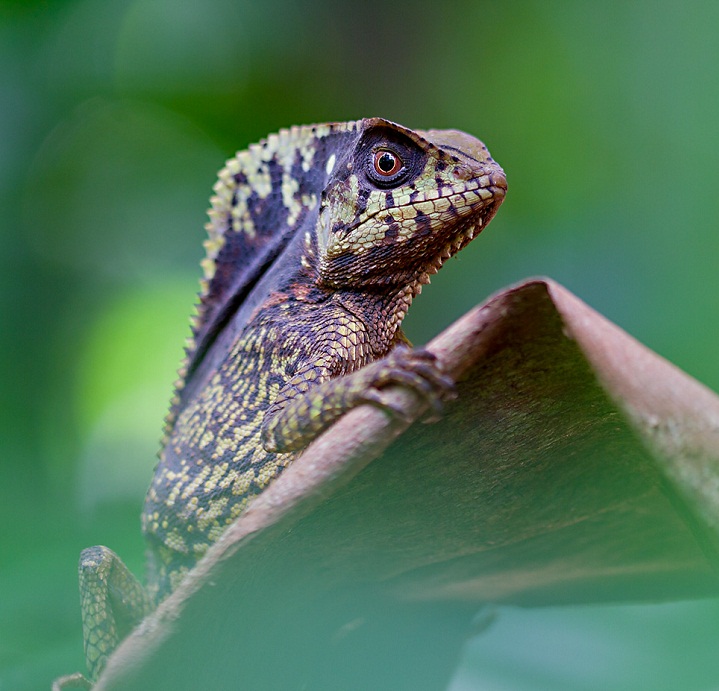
x=499, y=180
x=464, y=172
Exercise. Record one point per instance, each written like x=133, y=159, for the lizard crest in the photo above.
x=318, y=240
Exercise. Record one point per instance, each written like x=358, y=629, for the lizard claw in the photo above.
x=379, y=398
x=415, y=369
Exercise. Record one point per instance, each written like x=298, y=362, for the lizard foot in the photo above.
x=71, y=681
x=415, y=369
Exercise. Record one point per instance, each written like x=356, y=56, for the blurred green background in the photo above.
x=114, y=118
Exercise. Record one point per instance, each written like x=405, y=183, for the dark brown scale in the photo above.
x=317, y=246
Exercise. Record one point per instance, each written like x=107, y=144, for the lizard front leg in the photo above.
x=312, y=400
x=113, y=603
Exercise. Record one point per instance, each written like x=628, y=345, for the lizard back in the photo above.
x=319, y=239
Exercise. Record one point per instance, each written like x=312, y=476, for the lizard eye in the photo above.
x=386, y=163
x=389, y=159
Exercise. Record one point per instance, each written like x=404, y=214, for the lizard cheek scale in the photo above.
x=319, y=238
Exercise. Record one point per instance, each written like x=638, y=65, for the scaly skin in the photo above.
x=319, y=239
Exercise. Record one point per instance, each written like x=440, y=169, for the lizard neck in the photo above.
x=381, y=313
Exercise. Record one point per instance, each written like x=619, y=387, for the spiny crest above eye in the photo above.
x=394, y=156
x=452, y=147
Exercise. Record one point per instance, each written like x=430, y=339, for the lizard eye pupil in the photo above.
x=387, y=163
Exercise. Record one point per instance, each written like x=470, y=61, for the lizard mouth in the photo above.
x=490, y=187
x=404, y=244
x=465, y=233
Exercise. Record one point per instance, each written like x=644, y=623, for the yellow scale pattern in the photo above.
x=315, y=332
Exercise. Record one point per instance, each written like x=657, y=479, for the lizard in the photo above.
x=319, y=238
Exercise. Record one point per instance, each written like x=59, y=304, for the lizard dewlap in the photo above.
x=319, y=239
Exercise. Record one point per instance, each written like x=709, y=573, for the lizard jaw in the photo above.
x=466, y=233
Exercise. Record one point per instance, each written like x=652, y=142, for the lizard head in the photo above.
x=400, y=203
x=379, y=209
